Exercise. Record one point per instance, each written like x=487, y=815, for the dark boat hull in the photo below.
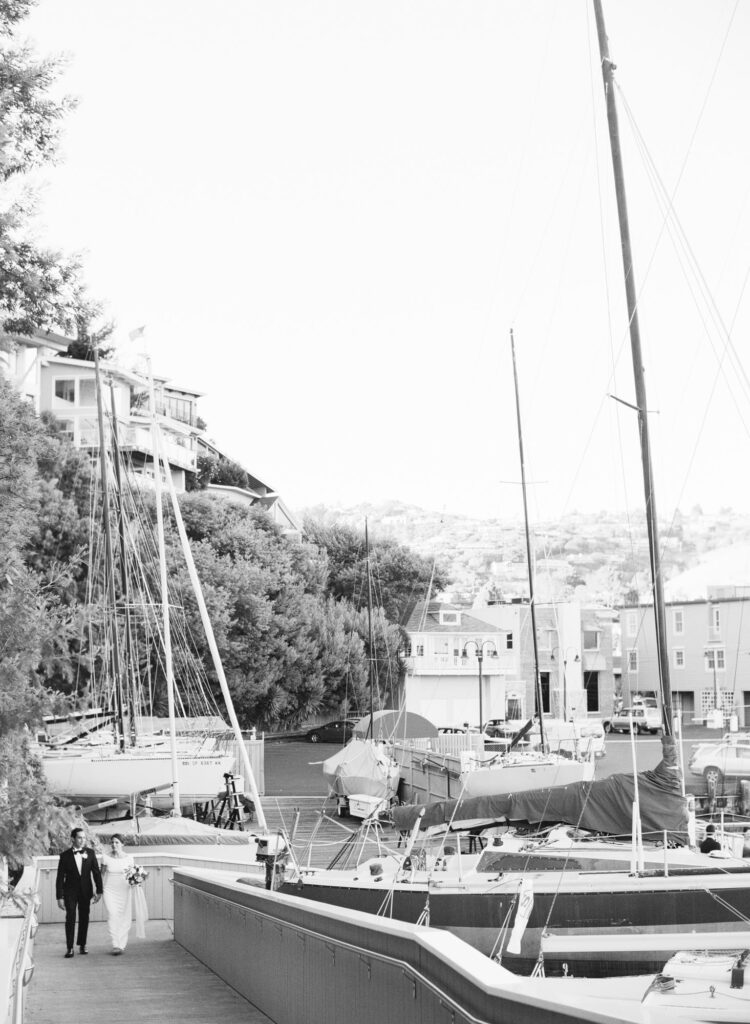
x=484, y=919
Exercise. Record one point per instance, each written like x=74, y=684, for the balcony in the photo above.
x=180, y=451
x=455, y=665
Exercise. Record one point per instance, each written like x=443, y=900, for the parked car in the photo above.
x=726, y=758
x=644, y=717
x=332, y=732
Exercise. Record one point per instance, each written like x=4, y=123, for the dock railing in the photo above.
x=18, y=917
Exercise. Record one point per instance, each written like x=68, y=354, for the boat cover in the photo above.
x=362, y=768
x=394, y=726
x=604, y=805
x=158, y=831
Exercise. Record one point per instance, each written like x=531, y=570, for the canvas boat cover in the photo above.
x=394, y=726
x=604, y=805
x=158, y=831
x=362, y=768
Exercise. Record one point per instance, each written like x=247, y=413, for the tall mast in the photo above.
x=640, y=383
x=168, y=661
x=129, y=696
x=370, y=674
x=110, y=566
x=539, y=704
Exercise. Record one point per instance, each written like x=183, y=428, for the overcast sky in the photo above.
x=330, y=214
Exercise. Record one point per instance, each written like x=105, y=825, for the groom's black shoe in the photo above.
x=69, y=954
x=82, y=950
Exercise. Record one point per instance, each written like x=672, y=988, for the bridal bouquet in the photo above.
x=136, y=875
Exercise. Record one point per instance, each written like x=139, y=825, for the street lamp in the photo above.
x=479, y=646
x=576, y=660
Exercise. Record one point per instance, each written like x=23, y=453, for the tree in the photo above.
x=399, y=575
x=31, y=625
x=287, y=650
x=40, y=289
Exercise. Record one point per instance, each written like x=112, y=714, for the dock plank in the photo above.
x=155, y=981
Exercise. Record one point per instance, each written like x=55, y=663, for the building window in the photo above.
x=87, y=392
x=715, y=659
x=631, y=623
x=632, y=660
x=591, y=639
x=508, y=641
x=715, y=621
x=420, y=650
x=65, y=391
x=678, y=621
x=679, y=657
x=449, y=618
x=67, y=429
x=545, y=639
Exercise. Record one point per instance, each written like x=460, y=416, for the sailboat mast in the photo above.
x=638, y=371
x=129, y=696
x=370, y=674
x=532, y=602
x=109, y=554
x=168, y=660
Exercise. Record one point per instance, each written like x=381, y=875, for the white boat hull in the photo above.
x=522, y=775
x=92, y=775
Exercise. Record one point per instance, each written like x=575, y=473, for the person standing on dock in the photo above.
x=77, y=875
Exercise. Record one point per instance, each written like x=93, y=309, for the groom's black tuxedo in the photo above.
x=76, y=888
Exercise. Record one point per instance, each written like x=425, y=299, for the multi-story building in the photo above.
x=708, y=642
x=65, y=387
x=443, y=679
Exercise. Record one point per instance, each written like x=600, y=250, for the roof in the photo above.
x=421, y=620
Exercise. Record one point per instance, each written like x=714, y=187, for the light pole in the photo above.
x=577, y=659
x=479, y=646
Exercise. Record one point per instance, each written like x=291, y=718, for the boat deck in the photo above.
x=156, y=981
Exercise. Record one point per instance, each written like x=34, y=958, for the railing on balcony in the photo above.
x=417, y=664
x=181, y=451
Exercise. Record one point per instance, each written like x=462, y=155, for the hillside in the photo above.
x=594, y=557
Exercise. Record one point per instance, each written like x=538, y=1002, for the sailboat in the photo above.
x=591, y=862
x=519, y=770
x=363, y=777
x=131, y=758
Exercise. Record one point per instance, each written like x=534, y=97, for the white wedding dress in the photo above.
x=118, y=899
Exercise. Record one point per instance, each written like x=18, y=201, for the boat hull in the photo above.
x=496, y=780
x=614, y=905
x=92, y=776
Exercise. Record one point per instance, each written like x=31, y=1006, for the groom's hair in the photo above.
x=117, y=835
x=74, y=832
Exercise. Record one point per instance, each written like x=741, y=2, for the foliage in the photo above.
x=285, y=647
x=399, y=575
x=31, y=821
x=40, y=289
x=33, y=631
x=89, y=338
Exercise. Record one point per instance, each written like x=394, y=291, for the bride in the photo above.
x=118, y=894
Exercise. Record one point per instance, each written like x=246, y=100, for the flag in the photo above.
x=137, y=333
x=525, y=903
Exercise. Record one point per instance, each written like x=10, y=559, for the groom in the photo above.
x=75, y=871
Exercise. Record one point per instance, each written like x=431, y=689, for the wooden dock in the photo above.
x=155, y=981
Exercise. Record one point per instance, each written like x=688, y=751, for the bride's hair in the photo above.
x=116, y=835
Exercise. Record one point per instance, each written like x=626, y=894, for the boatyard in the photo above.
x=286, y=759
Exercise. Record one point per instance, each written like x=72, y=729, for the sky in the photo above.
x=329, y=215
